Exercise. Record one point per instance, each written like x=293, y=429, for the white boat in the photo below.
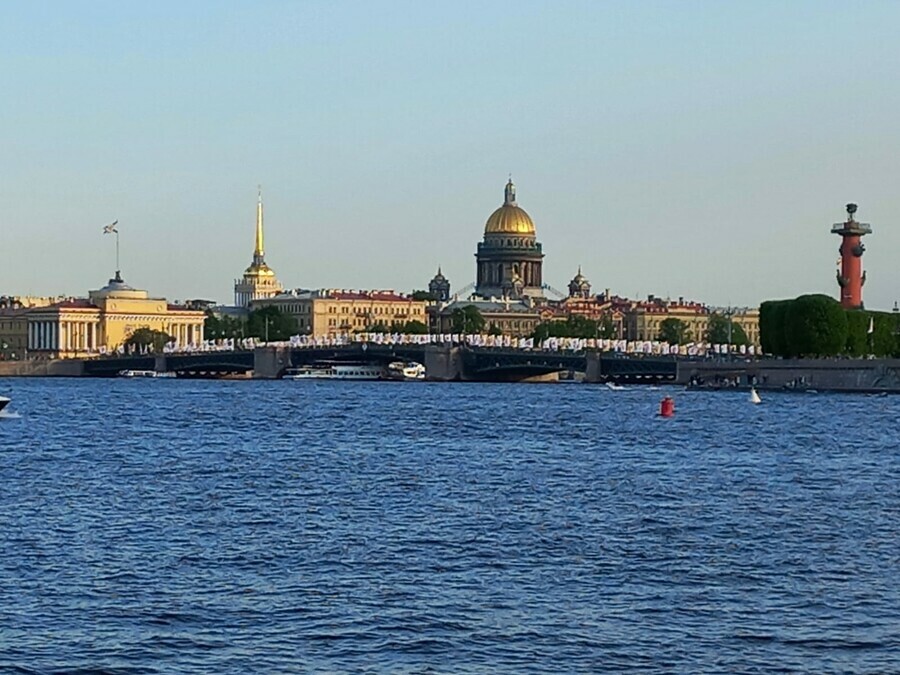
x=614, y=386
x=754, y=397
x=403, y=370
x=336, y=371
x=4, y=402
x=144, y=373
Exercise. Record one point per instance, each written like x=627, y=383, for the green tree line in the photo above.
x=817, y=325
x=268, y=322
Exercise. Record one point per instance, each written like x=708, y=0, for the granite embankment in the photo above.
x=844, y=375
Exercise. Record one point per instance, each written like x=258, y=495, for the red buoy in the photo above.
x=667, y=407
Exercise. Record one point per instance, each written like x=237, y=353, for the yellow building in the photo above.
x=332, y=312
x=259, y=279
x=13, y=334
x=643, y=320
x=103, y=322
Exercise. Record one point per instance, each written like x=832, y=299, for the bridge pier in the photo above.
x=593, y=372
x=443, y=364
x=159, y=363
x=269, y=363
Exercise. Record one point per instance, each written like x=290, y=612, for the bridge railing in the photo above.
x=551, y=344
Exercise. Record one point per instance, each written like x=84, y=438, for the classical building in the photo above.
x=259, y=279
x=331, y=312
x=509, y=259
x=104, y=320
x=13, y=333
x=643, y=320
x=517, y=318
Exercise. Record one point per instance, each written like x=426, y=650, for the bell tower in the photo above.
x=851, y=276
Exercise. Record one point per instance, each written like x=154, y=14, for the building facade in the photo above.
x=509, y=259
x=328, y=312
x=517, y=318
x=13, y=333
x=103, y=322
x=259, y=280
x=643, y=320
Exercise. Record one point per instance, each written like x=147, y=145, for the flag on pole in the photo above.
x=109, y=229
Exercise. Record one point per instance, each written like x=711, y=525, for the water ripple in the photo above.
x=233, y=527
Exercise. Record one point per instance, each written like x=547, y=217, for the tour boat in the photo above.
x=144, y=373
x=402, y=370
x=336, y=371
x=4, y=402
x=754, y=397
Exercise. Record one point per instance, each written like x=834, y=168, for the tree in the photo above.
x=815, y=325
x=270, y=323
x=427, y=296
x=606, y=329
x=215, y=327
x=404, y=328
x=857, y=343
x=574, y=326
x=494, y=329
x=674, y=331
x=148, y=337
x=718, y=331
x=467, y=320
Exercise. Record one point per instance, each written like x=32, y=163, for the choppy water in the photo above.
x=169, y=526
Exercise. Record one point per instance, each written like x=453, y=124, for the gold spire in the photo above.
x=259, y=252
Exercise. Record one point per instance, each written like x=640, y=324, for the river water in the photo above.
x=169, y=526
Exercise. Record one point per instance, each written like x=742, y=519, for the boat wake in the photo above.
x=4, y=415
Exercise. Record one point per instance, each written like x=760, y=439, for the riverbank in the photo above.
x=837, y=375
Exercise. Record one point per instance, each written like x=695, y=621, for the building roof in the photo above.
x=509, y=218
x=344, y=294
x=492, y=306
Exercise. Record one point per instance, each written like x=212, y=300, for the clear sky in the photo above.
x=697, y=149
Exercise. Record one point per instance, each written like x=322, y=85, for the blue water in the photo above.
x=161, y=526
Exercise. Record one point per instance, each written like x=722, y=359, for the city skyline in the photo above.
x=696, y=150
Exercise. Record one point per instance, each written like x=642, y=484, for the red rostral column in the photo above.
x=851, y=276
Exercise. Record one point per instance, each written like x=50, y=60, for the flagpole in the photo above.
x=118, y=269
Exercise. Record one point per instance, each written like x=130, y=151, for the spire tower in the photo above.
x=259, y=279
x=259, y=252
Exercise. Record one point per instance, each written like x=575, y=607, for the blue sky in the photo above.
x=697, y=149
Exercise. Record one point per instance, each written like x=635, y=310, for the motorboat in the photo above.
x=336, y=371
x=614, y=386
x=4, y=402
x=144, y=373
x=754, y=397
x=405, y=370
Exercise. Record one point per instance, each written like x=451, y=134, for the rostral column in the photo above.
x=851, y=276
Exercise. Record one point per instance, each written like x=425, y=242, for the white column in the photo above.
x=41, y=344
x=30, y=336
x=54, y=335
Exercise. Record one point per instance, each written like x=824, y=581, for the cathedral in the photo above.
x=509, y=259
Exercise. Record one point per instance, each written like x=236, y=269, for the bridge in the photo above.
x=441, y=362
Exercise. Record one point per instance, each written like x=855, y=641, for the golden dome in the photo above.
x=259, y=270
x=509, y=218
